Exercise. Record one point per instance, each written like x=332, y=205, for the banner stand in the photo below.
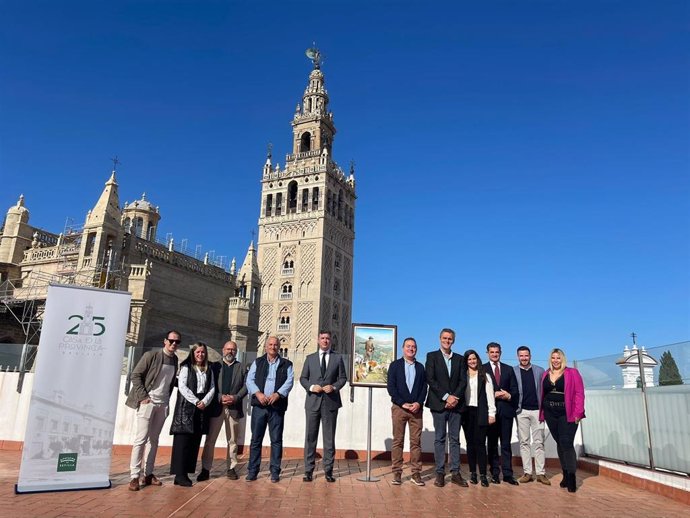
x=368, y=477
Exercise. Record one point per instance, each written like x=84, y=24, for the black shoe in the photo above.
x=456, y=478
x=308, y=477
x=564, y=480
x=440, y=480
x=511, y=481
x=572, y=482
x=495, y=480
x=251, y=477
x=484, y=480
x=473, y=478
x=330, y=477
x=231, y=474
x=203, y=475
x=183, y=480
x=275, y=479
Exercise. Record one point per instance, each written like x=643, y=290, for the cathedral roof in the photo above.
x=141, y=204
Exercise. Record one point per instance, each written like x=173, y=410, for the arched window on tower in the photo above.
x=292, y=197
x=305, y=142
x=286, y=291
x=279, y=203
x=315, y=199
x=138, y=227
x=340, y=205
x=269, y=204
x=305, y=200
x=127, y=225
x=151, y=232
x=284, y=319
x=288, y=266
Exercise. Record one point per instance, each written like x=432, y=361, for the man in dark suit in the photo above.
x=447, y=378
x=407, y=388
x=507, y=396
x=229, y=376
x=323, y=375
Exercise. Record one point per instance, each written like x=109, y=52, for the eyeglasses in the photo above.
x=176, y=342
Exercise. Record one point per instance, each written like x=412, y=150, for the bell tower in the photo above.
x=306, y=233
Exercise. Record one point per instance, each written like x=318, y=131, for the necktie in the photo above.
x=497, y=374
x=323, y=365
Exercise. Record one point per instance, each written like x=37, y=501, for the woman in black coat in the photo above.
x=478, y=413
x=196, y=389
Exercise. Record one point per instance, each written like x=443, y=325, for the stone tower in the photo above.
x=306, y=233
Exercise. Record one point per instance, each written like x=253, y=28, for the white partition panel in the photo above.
x=669, y=415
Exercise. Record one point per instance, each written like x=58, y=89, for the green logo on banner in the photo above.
x=67, y=462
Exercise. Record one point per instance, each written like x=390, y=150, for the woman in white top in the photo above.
x=479, y=412
x=196, y=389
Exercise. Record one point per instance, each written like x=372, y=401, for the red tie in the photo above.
x=497, y=374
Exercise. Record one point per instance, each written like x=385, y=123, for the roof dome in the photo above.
x=142, y=204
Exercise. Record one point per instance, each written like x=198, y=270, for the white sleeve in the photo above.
x=183, y=388
x=490, y=397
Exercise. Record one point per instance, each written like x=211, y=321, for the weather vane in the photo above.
x=115, y=162
x=634, y=337
x=269, y=153
x=315, y=55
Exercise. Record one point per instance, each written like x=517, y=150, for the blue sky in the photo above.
x=522, y=167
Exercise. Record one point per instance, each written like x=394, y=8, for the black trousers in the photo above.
x=475, y=437
x=185, y=448
x=502, y=429
x=563, y=433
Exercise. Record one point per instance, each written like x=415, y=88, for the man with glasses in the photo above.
x=153, y=379
x=226, y=408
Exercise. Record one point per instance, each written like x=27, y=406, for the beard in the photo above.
x=229, y=358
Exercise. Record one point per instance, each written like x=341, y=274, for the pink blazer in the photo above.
x=574, y=395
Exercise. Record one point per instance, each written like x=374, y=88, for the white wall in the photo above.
x=351, y=431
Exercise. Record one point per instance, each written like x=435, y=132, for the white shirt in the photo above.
x=186, y=391
x=472, y=393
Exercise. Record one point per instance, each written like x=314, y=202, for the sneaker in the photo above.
x=397, y=479
x=526, y=478
x=417, y=479
x=251, y=477
x=456, y=478
x=544, y=480
x=484, y=481
x=203, y=475
x=232, y=474
x=152, y=480
x=440, y=480
x=134, y=484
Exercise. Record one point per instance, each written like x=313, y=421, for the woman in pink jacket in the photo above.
x=563, y=406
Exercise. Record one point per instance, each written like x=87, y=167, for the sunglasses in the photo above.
x=177, y=342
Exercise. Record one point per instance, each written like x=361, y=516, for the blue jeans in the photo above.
x=274, y=419
x=451, y=421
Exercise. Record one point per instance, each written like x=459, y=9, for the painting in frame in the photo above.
x=374, y=348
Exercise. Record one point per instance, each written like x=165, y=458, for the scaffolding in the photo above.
x=25, y=298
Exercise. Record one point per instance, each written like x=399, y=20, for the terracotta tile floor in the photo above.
x=348, y=497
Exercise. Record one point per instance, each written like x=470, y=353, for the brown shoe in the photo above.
x=417, y=479
x=526, y=478
x=397, y=479
x=456, y=478
x=152, y=480
x=544, y=480
x=440, y=480
x=134, y=484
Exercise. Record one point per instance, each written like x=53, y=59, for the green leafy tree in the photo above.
x=668, y=371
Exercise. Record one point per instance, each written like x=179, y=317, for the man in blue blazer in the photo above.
x=506, y=394
x=407, y=388
x=323, y=375
x=446, y=375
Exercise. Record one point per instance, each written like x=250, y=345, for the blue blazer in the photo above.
x=397, y=385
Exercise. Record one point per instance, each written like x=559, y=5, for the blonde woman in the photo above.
x=196, y=389
x=563, y=407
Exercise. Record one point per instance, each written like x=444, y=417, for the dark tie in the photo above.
x=323, y=365
x=497, y=374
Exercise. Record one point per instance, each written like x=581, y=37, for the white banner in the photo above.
x=69, y=433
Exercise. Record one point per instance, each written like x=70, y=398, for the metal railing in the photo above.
x=638, y=407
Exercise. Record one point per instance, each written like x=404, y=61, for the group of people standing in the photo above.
x=460, y=391
x=484, y=400
x=210, y=395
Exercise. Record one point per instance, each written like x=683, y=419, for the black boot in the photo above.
x=473, y=478
x=572, y=483
x=564, y=480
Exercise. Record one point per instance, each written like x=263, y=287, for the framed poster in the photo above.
x=374, y=348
